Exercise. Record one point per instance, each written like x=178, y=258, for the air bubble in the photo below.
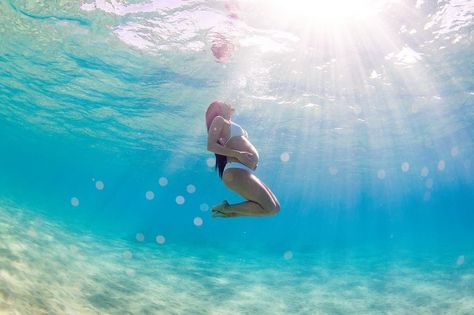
x=190, y=188
x=211, y=162
x=454, y=151
x=179, y=200
x=197, y=221
x=150, y=195
x=288, y=254
x=74, y=202
x=99, y=185
x=160, y=239
x=140, y=237
x=405, y=167
x=285, y=157
x=441, y=165
x=381, y=174
x=424, y=171
x=163, y=181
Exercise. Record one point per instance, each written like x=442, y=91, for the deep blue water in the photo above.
x=364, y=125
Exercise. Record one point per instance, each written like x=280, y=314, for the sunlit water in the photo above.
x=362, y=115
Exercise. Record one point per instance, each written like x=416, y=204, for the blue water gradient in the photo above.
x=365, y=131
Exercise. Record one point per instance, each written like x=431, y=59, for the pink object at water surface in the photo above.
x=222, y=48
x=232, y=5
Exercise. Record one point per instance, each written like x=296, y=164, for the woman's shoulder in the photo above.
x=220, y=119
x=219, y=122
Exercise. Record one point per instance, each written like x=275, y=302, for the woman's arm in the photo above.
x=219, y=149
x=213, y=137
x=242, y=156
x=213, y=145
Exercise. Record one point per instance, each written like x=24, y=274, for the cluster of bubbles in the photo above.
x=160, y=239
x=180, y=200
x=405, y=167
x=149, y=195
x=284, y=157
x=382, y=174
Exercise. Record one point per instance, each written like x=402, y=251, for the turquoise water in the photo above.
x=363, y=119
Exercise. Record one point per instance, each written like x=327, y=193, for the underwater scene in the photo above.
x=236, y=157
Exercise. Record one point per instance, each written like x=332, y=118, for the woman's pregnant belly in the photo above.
x=242, y=144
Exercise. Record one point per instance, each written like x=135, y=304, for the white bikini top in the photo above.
x=236, y=131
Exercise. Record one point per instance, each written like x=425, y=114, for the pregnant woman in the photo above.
x=236, y=161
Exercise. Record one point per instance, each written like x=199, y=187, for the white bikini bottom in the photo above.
x=238, y=165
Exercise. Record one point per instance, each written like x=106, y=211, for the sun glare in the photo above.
x=326, y=11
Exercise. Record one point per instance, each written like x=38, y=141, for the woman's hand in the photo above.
x=246, y=159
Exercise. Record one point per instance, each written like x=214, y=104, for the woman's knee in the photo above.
x=277, y=207
x=270, y=207
x=252, y=189
x=273, y=206
x=274, y=209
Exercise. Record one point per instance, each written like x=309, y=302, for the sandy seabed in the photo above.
x=48, y=269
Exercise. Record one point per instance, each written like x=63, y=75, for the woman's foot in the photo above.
x=219, y=214
x=220, y=210
x=224, y=204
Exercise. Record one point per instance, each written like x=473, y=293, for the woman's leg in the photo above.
x=275, y=200
x=260, y=200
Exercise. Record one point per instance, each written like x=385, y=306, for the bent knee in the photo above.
x=276, y=209
x=273, y=209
